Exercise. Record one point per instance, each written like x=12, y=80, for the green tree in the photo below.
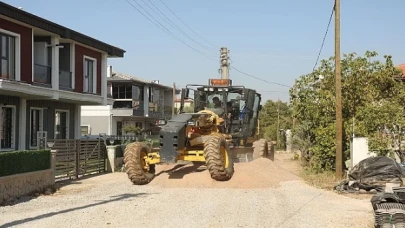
x=373, y=104
x=268, y=119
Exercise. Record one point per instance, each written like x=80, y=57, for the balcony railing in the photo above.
x=42, y=74
x=138, y=112
x=65, y=79
x=157, y=115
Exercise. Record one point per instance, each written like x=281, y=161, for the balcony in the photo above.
x=42, y=74
x=128, y=108
x=157, y=115
x=138, y=112
x=65, y=79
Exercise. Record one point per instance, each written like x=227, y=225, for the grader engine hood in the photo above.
x=173, y=137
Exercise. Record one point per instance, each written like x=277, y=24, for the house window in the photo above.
x=7, y=123
x=36, y=124
x=61, y=124
x=89, y=84
x=85, y=130
x=7, y=56
x=122, y=91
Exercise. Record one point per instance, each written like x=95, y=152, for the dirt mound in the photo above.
x=260, y=173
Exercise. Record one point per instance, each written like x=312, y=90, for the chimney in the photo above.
x=109, y=71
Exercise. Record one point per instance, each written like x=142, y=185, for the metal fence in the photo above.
x=79, y=157
x=123, y=139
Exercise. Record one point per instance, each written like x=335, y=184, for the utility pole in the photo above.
x=174, y=98
x=339, y=125
x=224, y=63
x=278, y=121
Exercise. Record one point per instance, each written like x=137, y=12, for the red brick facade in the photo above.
x=26, y=47
x=80, y=52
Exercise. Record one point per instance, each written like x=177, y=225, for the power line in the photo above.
x=164, y=28
x=324, y=38
x=214, y=46
x=271, y=91
x=261, y=79
x=169, y=33
x=172, y=23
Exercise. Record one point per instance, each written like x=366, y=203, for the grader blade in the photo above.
x=242, y=154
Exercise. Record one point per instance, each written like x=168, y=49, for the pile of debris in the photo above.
x=383, y=176
x=389, y=208
x=371, y=175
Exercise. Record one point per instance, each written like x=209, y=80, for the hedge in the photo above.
x=24, y=161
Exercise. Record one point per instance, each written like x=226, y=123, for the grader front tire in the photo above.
x=261, y=149
x=136, y=168
x=218, y=159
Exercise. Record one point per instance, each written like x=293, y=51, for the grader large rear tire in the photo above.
x=218, y=158
x=136, y=168
x=261, y=149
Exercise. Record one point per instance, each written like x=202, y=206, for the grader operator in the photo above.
x=223, y=129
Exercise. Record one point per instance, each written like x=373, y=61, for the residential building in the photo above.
x=187, y=103
x=47, y=72
x=137, y=102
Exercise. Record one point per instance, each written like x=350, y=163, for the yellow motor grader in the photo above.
x=223, y=129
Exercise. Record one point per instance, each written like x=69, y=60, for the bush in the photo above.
x=24, y=161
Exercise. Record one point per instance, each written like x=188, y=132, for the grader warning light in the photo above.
x=220, y=82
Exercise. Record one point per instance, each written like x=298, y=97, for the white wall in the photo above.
x=359, y=150
x=98, y=118
x=96, y=110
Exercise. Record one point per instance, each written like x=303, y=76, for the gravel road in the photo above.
x=261, y=194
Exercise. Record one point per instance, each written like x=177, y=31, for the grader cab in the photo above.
x=222, y=129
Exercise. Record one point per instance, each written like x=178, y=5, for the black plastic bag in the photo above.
x=372, y=173
x=376, y=171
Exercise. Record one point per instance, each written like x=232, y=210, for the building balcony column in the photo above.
x=104, y=78
x=55, y=65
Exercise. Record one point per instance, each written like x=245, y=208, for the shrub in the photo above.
x=24, y=161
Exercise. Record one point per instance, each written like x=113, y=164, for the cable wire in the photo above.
x=324, y=38
x=261, y=79
x=173, y=24
x=164, y=28
x=169, y=33
x=167, y=7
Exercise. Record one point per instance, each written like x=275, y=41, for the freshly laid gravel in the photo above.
x=261, y=194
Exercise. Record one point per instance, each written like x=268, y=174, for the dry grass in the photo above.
x=325, y=180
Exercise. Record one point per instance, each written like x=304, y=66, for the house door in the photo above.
x=61, y=124
x=119, y=128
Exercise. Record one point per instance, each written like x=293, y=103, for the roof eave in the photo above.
x=66, y=33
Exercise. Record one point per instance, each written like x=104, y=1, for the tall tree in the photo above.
x=373, y=104
x=269, y=119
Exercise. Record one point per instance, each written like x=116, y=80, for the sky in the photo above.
x=277, y=41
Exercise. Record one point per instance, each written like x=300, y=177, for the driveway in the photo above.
x=261, y=194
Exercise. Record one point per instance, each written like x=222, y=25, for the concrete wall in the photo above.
x=25, y=183
x=98, y=118
x=97, y=124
